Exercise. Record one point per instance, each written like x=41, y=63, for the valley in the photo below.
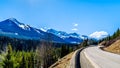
x=30, y=47
x=59, y=34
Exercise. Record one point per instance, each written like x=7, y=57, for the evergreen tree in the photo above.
x=23, y=63
x=8, y=62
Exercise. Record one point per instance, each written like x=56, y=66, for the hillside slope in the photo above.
x=64, y=62
x=114, y=47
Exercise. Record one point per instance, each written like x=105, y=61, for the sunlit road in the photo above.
x=93, y=57
x=74, y=62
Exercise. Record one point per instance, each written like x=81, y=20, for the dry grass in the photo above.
x=102, y=43
x=114, y=48
x=64, y=62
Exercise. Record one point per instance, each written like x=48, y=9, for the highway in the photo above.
x=74, y=62
x=94, y=57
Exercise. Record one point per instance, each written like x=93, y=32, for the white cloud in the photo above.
x=75, y=25
x=74, y=29
x=99, y=34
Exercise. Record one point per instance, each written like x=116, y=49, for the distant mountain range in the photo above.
x=13, y=28
x=68, y=37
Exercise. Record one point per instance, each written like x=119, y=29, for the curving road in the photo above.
x=93, y=57
x=74, y=62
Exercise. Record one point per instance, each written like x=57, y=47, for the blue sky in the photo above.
x=81, y=16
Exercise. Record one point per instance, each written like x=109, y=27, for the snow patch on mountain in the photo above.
x=98, y=34
x=21, y=25
x=16, y=33
x=43, y=29
x=25, y=27
x=37, y=30
x=74, y=35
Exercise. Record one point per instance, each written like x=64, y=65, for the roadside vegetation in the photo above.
x=112, y=43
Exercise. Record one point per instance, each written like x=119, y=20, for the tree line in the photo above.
x=20, y=53
x=111, y=38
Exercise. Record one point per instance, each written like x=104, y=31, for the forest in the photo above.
x=21, y=53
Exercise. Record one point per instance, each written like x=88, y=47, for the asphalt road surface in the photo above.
x=74, y=62
x=94, y=57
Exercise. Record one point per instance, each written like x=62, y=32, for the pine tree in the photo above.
x=23, y=63
x=118, y=32
x=8, y=63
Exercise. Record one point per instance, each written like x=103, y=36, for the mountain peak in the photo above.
x=74, y=34
x=13, y=19
x=21, y=25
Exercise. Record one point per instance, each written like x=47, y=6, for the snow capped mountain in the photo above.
x=61, y=34
x=69, y=37
x=74, y=35
x=11, y=27
x=98, y=35
x=21, y=25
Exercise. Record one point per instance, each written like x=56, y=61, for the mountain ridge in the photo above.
x=12, y=27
